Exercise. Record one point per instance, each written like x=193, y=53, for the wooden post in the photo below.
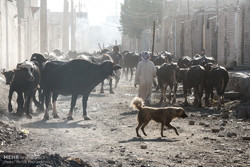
x=65, y=39
x=43, y=27
x=72, y=26
x=7, y=34
x=153, y=43
x=100, y=46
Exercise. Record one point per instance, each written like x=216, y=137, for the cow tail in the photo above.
x=137, y=103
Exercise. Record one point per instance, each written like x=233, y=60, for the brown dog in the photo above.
x=163, y=115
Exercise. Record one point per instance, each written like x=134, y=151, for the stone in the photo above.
x=215, y=130
x=144, y=146
x=231, y=134
x=191, y=122
x=201, y=123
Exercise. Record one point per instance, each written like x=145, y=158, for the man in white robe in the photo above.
x=145, y=73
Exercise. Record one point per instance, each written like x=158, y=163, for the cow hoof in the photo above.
x=29, y=116
x=86, y=118
x=111, y=92
x=46, y=117
x=69, y=117
x=102, y=91
x=55, y=116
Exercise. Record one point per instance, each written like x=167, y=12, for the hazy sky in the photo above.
x=97, y=10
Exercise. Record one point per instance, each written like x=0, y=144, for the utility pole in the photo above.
x=73, y=43
x=7, y=34
x=43, y=27
x=20, y=8
x=217, y=9
x=153, y=43
x=65, y=39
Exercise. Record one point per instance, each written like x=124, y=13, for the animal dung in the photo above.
x=144, y=146
x=191, y=122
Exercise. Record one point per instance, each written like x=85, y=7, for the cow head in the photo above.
x=28, y=67
x=8, y=76
x=109, y=67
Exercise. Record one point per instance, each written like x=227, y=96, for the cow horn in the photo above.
x=3, y=70
x=109, y=57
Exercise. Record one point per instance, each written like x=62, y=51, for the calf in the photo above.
x=217, y=77
x=194, y=78
x=167, y=77
x=76, y=77
x=25, y=80
x=131, y=60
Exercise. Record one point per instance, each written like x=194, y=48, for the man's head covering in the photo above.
x=145, y=55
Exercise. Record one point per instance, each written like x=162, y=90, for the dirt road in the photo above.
x=109, y=138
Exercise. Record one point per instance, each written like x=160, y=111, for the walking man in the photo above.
x=145, y=72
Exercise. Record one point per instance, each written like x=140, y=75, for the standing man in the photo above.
x=145, y=72
x=202, y=52
x=118, y=60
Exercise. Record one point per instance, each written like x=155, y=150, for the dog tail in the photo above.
x=137, y=103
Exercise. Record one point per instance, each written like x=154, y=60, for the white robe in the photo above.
x=144, y=75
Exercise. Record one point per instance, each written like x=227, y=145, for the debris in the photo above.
x=231, y=134
x=245, y=137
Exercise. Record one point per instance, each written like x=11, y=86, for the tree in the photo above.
x=137, y=15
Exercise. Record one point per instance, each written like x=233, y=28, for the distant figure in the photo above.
x=144, y=76
x=202, y=52
x=118, y=60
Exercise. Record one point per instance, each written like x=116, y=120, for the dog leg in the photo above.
x=172, y=127
x=142, y=128
x=137, y=129
x=162, y=127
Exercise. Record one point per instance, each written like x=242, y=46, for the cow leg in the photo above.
x=10, y=97
x=163, y=93
x=131, y=74
x=126, y=74
x=54, y=98
x=175, y=90
x=72, y=106
x=37, y=103
x=28, y=97
x=84, y=106
x=170, y=93
x=185, y=95
x=47, y=95
x=110, y=86
x=219, y=104
x=102, y=91
x=20, y=103
x=196, y=97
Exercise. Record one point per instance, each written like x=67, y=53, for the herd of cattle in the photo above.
x=80, y=73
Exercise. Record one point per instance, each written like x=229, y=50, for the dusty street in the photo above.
x=109, y=138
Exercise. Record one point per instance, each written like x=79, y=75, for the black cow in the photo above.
x=184, y=62
x=8, y=76
x=201, y=60
x=40, y=59
x=131, y=59
x=194, y=78
x=167, y=77
x=217, y=77
x=25, y=80
x=76, y=77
